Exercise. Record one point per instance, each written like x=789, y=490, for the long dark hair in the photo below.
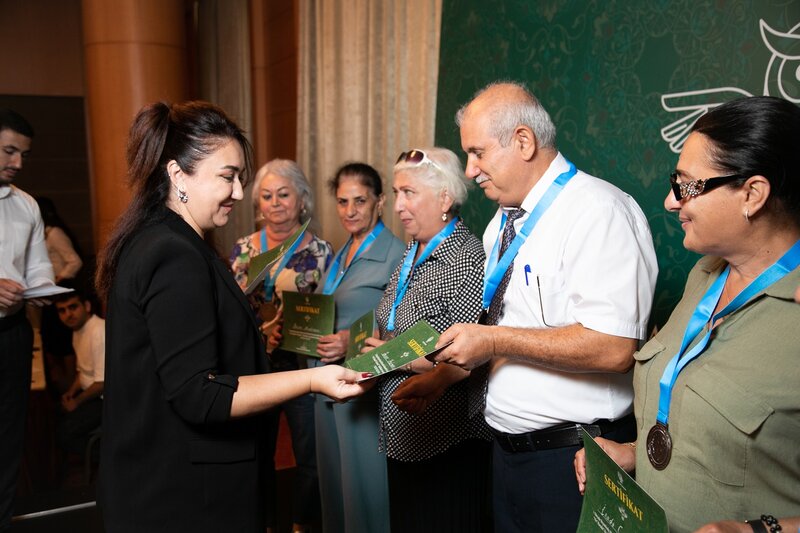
x=758, y=135
x=52, y=219
x=187, y=133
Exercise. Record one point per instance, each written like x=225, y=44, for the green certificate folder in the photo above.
x=613, y=502
x=359, y=331
x=260, y=264
x=306, y=318
x=417, y=341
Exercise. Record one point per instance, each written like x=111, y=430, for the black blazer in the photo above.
x=179, y=332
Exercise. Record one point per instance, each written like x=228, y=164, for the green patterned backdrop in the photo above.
x=618, y=79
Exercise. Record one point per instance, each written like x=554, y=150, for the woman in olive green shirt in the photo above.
x=717, y=411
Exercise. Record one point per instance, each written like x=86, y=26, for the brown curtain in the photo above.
x=367, y=90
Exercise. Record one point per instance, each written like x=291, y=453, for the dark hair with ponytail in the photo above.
x=187, y=133
x=758, y=135
x=366, y=175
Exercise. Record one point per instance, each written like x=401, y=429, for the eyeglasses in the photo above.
x=697, y=187
x=416, y=157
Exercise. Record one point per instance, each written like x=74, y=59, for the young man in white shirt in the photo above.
x=23, y=263
x=82, y=403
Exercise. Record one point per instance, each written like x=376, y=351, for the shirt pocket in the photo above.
x=546, y=296
x=645, y=358
x=719, y=418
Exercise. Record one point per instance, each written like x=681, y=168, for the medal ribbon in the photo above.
x=336, y=274
x=269, y=283
x=409, y=265
x=702, y=314
x=496, y=268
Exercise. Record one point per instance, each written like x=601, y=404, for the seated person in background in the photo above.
x=82, y=403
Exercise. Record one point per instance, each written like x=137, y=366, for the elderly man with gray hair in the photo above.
x=569, y=283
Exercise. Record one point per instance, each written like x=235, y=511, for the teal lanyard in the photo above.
x=703, y=315
x=496, y=269
x=336, y=272
x=409, y=265
x=269, y=281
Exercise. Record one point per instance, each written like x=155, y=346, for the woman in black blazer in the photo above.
x=185, y=364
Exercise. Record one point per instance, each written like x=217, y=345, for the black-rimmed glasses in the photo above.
x=694, y=188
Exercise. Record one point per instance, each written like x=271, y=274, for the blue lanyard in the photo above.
x=495, y=270
x=269, y=282
x=336, y=273
x=409, y=265
x=703, y=315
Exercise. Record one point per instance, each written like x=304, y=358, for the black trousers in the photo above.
x=447, y=493
x=537, y=491
x=16, y=349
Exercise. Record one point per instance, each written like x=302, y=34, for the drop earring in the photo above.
x=182, y=196
x=444, y=216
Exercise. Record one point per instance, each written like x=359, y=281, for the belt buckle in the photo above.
x=520, y=443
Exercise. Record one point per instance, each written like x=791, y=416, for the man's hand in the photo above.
x=472, y=345
x=10, y=293
x=69, y=403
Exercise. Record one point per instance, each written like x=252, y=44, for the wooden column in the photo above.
x=135, y=53
x=274, y=56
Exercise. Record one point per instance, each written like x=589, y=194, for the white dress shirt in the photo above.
x=23, y=254
x=591, y=259
x=90, y=351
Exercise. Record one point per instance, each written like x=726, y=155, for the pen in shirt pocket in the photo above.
x=527, y=271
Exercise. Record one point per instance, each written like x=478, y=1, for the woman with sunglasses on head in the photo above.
x=716, y=389
x=352, y=472
x=284, y=200
x=437, y=454
x=185, y=388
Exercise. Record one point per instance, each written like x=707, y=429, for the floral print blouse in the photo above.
x=302, y=272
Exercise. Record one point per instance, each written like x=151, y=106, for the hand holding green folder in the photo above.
x=416, y=342
x=260, y=264
x=613, y=501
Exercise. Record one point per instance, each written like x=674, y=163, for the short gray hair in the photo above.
x=290, y=170
x=445, y=174
x=509, y=113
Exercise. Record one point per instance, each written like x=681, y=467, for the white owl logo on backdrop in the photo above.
x=783, y=66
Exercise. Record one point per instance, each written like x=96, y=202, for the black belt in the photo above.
x=559, y=436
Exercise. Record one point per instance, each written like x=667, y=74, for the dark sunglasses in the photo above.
x=416, y=157
x=697, y=187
